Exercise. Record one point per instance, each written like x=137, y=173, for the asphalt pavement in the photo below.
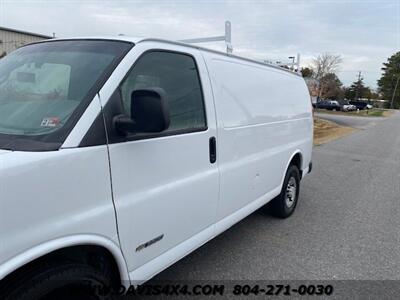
x=346, y=225
x=350, y=121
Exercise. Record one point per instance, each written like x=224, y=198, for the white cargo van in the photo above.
x=119, y=156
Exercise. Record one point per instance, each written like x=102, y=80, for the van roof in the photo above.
x=137, y=39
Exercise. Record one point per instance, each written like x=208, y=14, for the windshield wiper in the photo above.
x=25, y=144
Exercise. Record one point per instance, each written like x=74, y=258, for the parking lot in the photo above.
x=346, y=225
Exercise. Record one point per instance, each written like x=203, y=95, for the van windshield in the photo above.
x=43, y=85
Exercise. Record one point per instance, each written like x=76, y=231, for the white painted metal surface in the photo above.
x=67, y=241
x=46, y=196
x=83, y=125
x=261, y=123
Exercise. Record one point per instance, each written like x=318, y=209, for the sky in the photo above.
x=365, y=33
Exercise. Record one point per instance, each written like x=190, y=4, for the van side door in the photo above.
x=165, y=185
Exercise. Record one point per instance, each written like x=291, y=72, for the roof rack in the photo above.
x=227, y=38
x=293, y=66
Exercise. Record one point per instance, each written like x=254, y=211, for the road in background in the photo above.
x=346, y=226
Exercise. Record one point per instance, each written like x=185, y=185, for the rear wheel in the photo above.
x=285, y=203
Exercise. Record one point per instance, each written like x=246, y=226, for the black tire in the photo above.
x=279, y=205
x=61, y=282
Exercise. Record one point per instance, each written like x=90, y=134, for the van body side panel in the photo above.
x=264, y=117
x=49, y=195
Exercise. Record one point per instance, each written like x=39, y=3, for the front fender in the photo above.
x=41, y=250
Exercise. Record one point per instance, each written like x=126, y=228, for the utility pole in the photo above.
x=295, y=64
x=292, y=65
x=394, y=92
x=358, y=86
x=298, y=63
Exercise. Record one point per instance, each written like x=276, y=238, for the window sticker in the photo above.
x=50, y=122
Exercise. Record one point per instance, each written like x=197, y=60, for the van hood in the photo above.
x=4, y=151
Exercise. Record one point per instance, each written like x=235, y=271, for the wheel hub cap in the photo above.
x=291, y=191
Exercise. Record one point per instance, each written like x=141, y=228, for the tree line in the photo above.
x=323, y=82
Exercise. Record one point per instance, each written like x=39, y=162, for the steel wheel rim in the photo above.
x=291, y=192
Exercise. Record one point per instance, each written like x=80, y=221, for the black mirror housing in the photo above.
x=149, y=112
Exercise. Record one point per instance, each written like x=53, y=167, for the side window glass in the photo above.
x=177, y=75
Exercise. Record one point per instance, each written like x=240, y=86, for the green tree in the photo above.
x=374, y=95
x=349, y=93
x=390, y=76
x=357, y=90
x=307, y=72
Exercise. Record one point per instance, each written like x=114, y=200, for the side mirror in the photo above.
x=149, y=112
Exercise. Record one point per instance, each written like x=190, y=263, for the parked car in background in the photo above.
x=346, y=106
x=369, y=106
x=360, y=104
x=329, y=105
